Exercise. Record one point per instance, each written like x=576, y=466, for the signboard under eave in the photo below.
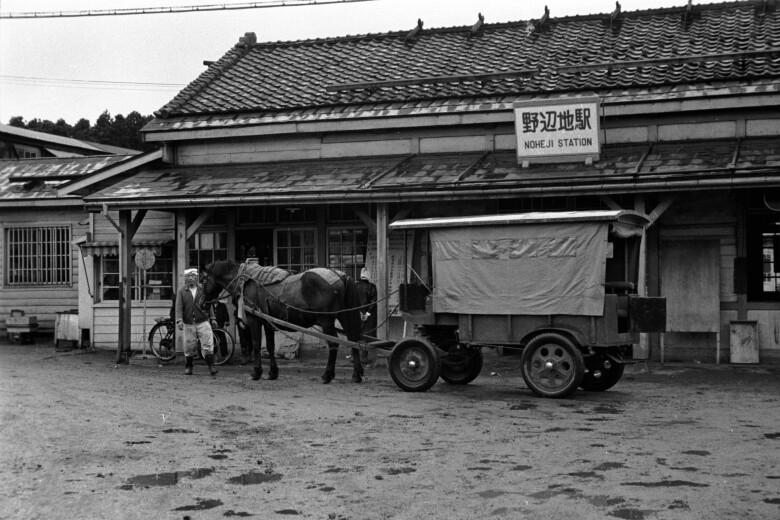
x=557, y=130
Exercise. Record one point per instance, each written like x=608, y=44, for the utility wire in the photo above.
x=90, y=84
x=171, y=9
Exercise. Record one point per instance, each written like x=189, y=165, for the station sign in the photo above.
x=557, y=130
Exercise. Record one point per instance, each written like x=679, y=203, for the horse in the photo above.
x=318, y=296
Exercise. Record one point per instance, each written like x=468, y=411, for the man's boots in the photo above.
x=188, y=365
x=210, y=361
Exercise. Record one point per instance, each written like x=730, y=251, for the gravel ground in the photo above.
x=83, y=438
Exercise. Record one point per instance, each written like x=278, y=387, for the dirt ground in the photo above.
x=83, y=438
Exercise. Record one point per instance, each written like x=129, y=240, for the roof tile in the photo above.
x=293, y=75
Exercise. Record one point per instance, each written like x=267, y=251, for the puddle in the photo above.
x=287, y=512
x=400, y=471
x=604, y=501
x=772, y=435
x=702, y=453
x=230, y=512
x=772, y=500
x=607, y=409
x=520, y=467
x=628, y=513
x=218, y=457
x=255, y=478
x=130, y=443
x=492, y=493
x=666, y=483
x=524, y=406
x=202, y=505
x=586, y=474
x=178, y=430
x=166, y=479
x=609, y=465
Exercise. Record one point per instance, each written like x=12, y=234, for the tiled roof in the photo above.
x=646, y=49
x=24, y=180
x=661, y=167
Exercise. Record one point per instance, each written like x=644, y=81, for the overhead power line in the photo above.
x=90, y=84
x=172, y=9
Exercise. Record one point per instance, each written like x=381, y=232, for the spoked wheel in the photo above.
x=461, y=365
x=162, y=341
x=414, y=365
x=552, y=366
x=223, y=346
x=602, y=374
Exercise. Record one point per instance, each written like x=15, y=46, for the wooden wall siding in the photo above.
x=762, y=127
x=695, y=131
x=105, y=332
x=44, y=302
x=157, y=225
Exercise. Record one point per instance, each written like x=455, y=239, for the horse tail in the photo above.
x=350, y=316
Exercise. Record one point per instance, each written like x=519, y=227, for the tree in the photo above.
x=122, y=131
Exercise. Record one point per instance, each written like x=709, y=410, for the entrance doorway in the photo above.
x=257, y=243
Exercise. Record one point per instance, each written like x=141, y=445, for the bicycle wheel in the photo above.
x=162, y=341
x=223, y=346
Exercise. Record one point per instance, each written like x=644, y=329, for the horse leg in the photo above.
x=330, y=368
x=257, y=343
x=357, y=366
x=270, y=345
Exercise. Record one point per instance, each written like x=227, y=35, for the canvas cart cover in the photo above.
x=539, y=269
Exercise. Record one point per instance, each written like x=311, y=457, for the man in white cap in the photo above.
x=195, y=319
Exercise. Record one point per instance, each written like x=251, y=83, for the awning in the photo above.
x=623, y=168
x=111, y=248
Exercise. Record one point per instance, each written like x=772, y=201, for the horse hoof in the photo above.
x=326, y=378
x=255, y=376
x=273, y=376
x=357, y=379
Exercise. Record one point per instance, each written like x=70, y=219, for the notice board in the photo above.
x=690, y=281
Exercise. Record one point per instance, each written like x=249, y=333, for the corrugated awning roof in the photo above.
x=655, y=167
x=111, y=247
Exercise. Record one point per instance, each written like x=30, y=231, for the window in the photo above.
x=347, y=250
x=38, y=255
x=206, y=248
x=763, y=269
x=296, y=249
x=159, y=278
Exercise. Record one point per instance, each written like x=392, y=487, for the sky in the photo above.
x=73, y=68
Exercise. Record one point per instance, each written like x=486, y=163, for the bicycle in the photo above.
x=162, y=342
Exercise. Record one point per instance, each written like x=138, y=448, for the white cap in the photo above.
x=365, y=274
x=191, y=270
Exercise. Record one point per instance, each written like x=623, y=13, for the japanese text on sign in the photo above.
x=557, y=129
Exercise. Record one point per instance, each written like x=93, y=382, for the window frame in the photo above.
x=303, y=264
x=354, y=269
x=136, y=278
x=52, y=268
x=759, y=225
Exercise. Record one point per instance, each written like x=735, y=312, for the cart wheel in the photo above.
x=552, y=366
x=414, y=365
x=461, y=365
x=604, y=375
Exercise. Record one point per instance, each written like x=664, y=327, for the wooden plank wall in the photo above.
x=157, y=225
x=42, y=302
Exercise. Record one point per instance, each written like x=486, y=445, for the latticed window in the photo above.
x=347, y=250
x=38, y=255
x=296, y=249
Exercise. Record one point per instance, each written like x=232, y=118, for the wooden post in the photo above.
x=381, y=270
x=126, y=290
